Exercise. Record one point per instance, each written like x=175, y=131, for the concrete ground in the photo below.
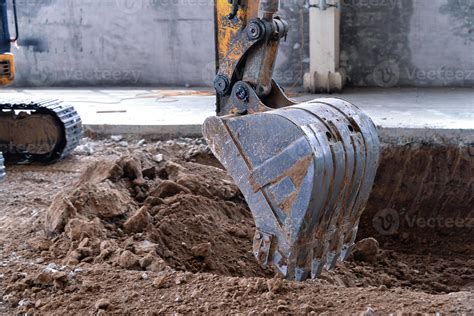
x=181, y=112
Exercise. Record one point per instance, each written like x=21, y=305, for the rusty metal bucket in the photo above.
x=306, y=172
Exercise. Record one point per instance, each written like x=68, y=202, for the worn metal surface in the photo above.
x=43, y=131
x=2, y=168
x=306, y=172
x=246, y=47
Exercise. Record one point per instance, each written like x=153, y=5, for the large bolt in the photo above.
x=221, y=84
x=242, y=93
x=254, y=30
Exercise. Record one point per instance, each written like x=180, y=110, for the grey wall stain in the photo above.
x=293, y=56
x=442, y=55
x=374, y=41
x=461, y=13
x=35, y=44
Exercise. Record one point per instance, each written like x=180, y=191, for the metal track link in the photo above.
x=65, y=115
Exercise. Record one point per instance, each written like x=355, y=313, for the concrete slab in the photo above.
x=178, y=112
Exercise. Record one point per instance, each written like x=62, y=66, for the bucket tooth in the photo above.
x=306, y=172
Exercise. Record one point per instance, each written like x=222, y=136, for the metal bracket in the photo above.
x=324, y=5
x=261, y=247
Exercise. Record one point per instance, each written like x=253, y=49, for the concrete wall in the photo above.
x=132, y=43
x=408, y=42
x=170, y=42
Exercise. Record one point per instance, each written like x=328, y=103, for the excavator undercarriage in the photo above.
x=306, y=170
x=42, y=131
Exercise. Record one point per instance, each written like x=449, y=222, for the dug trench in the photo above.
x=128, y=227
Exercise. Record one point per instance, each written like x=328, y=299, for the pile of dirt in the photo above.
x=152, y=212
x=141, y=212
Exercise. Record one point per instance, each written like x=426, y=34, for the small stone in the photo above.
x=128, y=260
x=38, y=303
x=159, y=281
x=158, y=158
x=52, y=268
x=141, y=142
x=146, y=261
x=43, y=279
x=85, y=150
x=123, y=143
x=144, y=247
x=102, y=304
x=158, y=265
x=275, y=285
x=366, y=250
x=168, y=188
x=138, y=221
x=39, y=243
x=116, y=138
x=24, y=302
x=202, y=250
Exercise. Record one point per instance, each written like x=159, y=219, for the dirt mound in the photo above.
x=141, y=214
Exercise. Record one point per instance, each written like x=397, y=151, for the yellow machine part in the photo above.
x=7, y=69
x=226, y=29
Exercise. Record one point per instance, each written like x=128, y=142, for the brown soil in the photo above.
x=137, y=228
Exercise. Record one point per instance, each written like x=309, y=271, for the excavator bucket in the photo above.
x=306, y=172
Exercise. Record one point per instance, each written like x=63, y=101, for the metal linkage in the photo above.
x=66, y=118
x=306, y=172
x=246, y=49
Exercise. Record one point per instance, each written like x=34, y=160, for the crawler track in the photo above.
x=64, y=119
